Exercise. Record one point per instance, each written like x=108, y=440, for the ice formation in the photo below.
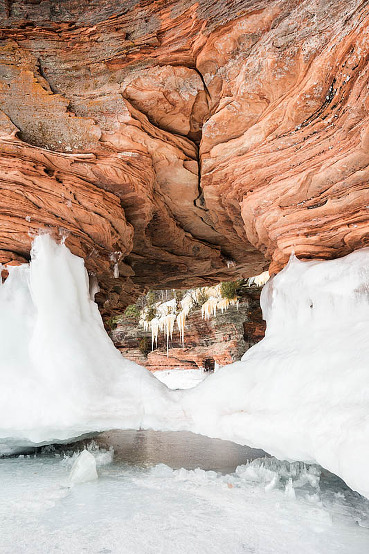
x=60, y=375
x=186, y=304
x=169, y=312
x=259, y=280
x=163, y=321
x=167, y=315
x=214, y=303
x=302, y=393
x=93, y=286
x=116, y=257
x=83, y=469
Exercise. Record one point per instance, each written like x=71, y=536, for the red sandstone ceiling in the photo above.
x=189, y=142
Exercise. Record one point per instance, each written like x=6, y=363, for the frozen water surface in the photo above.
x=263, y=507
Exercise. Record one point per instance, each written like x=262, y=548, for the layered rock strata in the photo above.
x=222, y=339
x=179, y=143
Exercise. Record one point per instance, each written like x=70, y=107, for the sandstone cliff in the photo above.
x=184, y=142
x=223, y=338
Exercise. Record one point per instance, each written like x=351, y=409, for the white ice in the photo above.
x=265, y=507
x=60, y=374
x=302, y=393
x=180, y=378
x=83, y=469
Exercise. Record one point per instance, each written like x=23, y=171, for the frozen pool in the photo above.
x=150, y=499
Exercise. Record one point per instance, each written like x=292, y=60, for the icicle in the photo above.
x=181, y=319
x=155, y=325
x=209, y=308
x=168, y=324
x=259, y=280
x=116, y=257
x=230, y=263
x=167, y=314
x=64, y=233
x=93, y=286
x=223, y=304
x=186, y=305
x=213, y=304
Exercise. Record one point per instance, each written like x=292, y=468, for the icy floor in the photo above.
x=264, y=507
x=181, y=378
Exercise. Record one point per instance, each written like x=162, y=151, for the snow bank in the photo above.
x=180, y=378
x=302, y=393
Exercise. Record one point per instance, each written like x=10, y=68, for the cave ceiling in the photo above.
x=184, y=142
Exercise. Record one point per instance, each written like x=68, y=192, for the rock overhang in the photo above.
x=186, y=142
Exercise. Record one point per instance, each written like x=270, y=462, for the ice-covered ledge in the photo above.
x=301, y=393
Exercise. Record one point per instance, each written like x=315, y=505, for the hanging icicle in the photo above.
x=168, y=314
x=217, y=303
x=259, y=280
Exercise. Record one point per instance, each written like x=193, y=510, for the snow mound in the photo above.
x=180, y=378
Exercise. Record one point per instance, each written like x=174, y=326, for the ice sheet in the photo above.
x=142, y=511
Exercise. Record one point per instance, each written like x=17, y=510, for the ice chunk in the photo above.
x=83, y=469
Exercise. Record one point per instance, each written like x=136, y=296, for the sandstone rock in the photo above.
x=224, y=338
x=189, y=142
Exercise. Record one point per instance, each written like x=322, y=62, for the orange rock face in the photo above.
x=223, y=338
x=184, y=142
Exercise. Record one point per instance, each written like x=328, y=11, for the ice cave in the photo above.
x=184, y=277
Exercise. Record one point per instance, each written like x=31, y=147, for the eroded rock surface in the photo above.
x=187, y=142
x=223, y=338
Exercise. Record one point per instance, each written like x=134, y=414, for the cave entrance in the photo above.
x=194, y=329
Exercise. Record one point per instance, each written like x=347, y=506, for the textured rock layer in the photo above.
x=223, y=338
x=187, y=142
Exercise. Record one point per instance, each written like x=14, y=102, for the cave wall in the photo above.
x=187, y=142
x=223, y=338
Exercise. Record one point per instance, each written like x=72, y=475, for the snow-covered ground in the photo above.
x=181, y=378
x=265, y=507
x=301, y=393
